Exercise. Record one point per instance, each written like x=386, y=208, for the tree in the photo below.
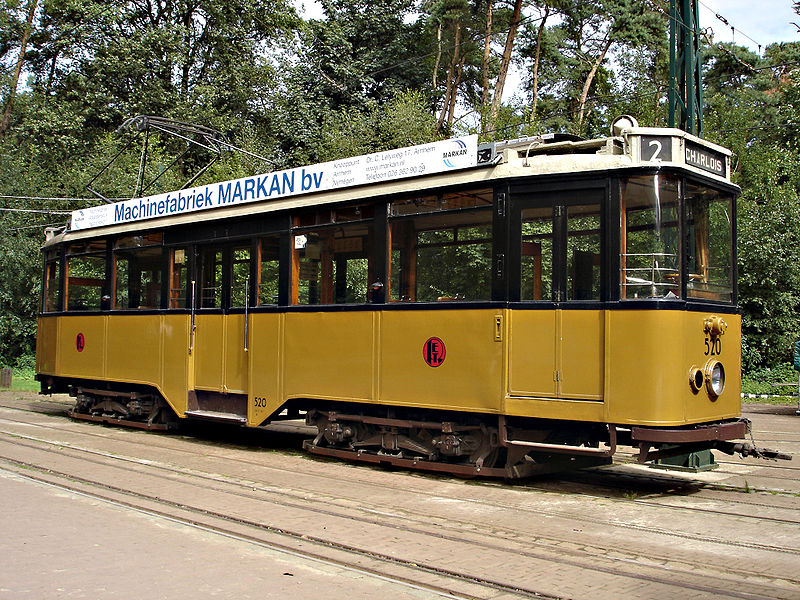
x=12, y=92
x=752, y=109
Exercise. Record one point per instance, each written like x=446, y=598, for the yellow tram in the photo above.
x=493, y=309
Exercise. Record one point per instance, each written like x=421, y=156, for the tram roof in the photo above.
x=447, y=163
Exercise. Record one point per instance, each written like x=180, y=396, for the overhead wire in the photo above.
x=33, y=210
x=24, y=227
x=726, y=22
x=52, y=198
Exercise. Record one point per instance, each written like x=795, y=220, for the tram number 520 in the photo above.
x=713, y=346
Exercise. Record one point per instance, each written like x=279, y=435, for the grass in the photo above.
x=23, y=381
x=760, y=382
x=774, y=400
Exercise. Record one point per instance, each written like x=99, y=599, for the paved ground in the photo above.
x=98, y=512
x=58, y=544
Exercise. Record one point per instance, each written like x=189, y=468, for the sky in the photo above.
x=765, y=21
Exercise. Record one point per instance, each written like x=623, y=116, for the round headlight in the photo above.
x=715, y=378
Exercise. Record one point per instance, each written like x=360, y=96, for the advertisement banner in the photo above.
x=414, y=161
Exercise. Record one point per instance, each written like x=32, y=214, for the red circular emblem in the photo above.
x=434, y=352
x=80, y=342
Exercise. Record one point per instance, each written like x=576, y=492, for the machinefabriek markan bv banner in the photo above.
x=436, y=157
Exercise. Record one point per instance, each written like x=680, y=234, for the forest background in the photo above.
x=371, y=75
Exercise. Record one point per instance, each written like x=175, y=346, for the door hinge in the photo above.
x=556, y=376
x=500, y=265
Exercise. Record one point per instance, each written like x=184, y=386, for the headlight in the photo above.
x=715, y=378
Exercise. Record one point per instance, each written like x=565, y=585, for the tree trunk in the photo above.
x=504, y=64
x=438, y=56
x=18, y=69
x=536, y=62
x=51, y=75
x=451, y=76
x=487, y=47
x=454, y=96
x=589, y=79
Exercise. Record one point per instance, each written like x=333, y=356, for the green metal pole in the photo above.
x=685, y=67
x=673, y=61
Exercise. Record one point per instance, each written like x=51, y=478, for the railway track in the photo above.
x=532, y=536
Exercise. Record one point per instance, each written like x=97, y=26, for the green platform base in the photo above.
x=694, y=462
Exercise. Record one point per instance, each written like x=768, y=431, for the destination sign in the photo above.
x=413, y=161
x=703, y=158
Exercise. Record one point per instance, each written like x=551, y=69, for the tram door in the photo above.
x=222, y=299
x=558, y=334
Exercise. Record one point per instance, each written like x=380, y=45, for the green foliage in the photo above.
x=404, y=121
x=761, y=380
x=371, y=76
x=20, y=290
x=751, y=109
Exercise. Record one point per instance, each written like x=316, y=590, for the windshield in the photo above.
x=709, y=244
x=650, y=234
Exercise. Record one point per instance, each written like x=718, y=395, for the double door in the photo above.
x=558, y=331
x=222, y=299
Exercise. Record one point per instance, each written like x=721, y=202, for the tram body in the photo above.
x=544, y=303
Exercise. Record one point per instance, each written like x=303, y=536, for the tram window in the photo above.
x=138, y=273
x=211, y=277
x=178, y=277
x=537, y=254
x=268, y=270
x=338, y=214
x=52, y=296
x=86, y=273
x=140, y=241
x=650, y=234
x=442, y=257
x=332, y=265
x=583, y=252
x=240, y=276
x=709, y=244
x=449, y=201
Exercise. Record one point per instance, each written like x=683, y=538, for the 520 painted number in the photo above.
x=260, y=402
x=713, y=347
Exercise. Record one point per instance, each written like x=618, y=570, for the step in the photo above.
x=211, y=415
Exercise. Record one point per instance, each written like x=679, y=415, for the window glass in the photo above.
x=709, y=244
x=650, y=234
x=583, y=252
x=333, y=265
x=52, y=296
x=138, y=276
x=140, y=241
x=178, y=277
x=441, y=257
x=269, y=271
x=338, y=214
x=86, y=273
x=450, y=201
x=537, y=254
x=211, y=277
x=240, y=276
x=85, y=281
